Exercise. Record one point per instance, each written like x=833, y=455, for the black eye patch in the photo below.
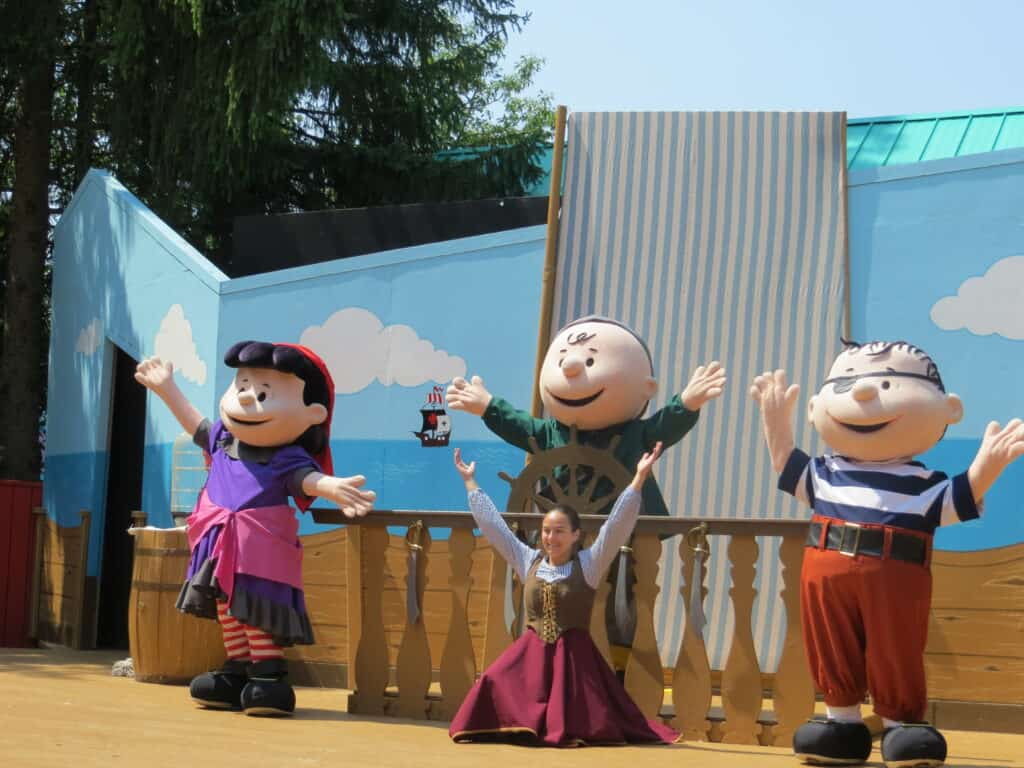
x=842, y=384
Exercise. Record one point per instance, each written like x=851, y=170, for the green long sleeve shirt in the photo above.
x=669, y=425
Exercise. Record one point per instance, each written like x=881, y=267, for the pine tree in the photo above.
x=211, y=109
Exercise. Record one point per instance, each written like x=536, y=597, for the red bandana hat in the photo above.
x=323, y=458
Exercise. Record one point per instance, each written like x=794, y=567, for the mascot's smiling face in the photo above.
x=595, y=375
x=881, y=402
x=265, y=408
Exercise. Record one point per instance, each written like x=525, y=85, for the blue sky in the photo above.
x=869, y=58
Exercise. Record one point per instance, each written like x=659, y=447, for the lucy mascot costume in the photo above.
x=270, y=442
x=598, y=376
x=865, y=587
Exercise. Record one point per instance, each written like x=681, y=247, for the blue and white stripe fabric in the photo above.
x=594, y=560
x=714, y=235
x=900, y=494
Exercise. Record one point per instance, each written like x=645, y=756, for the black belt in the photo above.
x=852, y=539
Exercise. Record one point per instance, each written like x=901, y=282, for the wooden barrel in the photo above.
x=167, y=646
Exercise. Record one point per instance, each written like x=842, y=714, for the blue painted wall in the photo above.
x=917, y=234
x=122, y=277
x=117, y=268
x=474, y=301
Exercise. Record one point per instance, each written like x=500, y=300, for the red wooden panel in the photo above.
x=7, y=491
x=20, y=568
x=17, y=548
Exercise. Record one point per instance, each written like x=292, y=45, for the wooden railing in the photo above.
x=57, y=611
x=740, y=720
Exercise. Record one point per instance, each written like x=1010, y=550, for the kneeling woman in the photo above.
x=552, y=686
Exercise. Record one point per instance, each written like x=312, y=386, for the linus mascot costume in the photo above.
x=865, y=587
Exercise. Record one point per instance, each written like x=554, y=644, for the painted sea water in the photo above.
x=408, y=476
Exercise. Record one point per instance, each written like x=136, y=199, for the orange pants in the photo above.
x=865, y=625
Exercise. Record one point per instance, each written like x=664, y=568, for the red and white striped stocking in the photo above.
x=261, y=645
x=235, y=641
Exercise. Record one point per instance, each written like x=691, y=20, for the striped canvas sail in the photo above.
x=716, y=236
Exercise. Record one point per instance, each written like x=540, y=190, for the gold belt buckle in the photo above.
x=856, y=540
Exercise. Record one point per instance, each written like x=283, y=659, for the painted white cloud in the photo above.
x=358, y=348
x=992, y=303
x=89, y=338
x=174, y=343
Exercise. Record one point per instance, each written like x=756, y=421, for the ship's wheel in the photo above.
x=578, y=460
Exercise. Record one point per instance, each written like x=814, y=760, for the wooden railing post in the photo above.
x=598, y=625
x=691, y=679
x=354, y=585
x=39, y=513
x=793, y=691
x=496, y=635
x=372, y=653
x=458, y=667
x=644, y=677
x=741, y=678
x=78, y=627
x=414, y=668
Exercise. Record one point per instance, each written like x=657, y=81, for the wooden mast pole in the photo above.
x=547, y=299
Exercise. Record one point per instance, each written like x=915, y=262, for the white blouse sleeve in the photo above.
x=595, y=559
x=494, y=527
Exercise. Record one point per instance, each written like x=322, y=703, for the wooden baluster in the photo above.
x=598, y=625
x=458, y=667
x=39, y=514
x=414, y=653
x=372, y=654
x=793, y=693
x=496, y=634
x=741, y=678
x=354, y=588
x=644, y=680
x=78, y=625
x=519, y=606
x=691, y=679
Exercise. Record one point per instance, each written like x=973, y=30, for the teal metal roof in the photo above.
x=872, y=142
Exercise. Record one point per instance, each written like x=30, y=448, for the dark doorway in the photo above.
x=124, y=495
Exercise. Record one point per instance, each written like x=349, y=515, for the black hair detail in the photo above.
x=610, y=321
x=580, y=338
x=279, y=357
x=569, y=512
x=877, y=348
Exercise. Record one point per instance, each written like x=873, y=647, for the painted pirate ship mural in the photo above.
x=436, y=430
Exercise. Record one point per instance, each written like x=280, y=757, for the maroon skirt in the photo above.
x=560, y=694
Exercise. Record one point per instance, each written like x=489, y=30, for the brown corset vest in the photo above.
x=552, y=608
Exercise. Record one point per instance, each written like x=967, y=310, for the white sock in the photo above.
x=849, y=714
x=891, y=723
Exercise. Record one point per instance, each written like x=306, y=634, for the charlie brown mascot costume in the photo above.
x=597, y=376
x=270, y=443
x=865, y=586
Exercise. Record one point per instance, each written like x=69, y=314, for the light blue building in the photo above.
x=936, y=247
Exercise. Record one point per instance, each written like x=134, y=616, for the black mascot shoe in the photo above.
x=268, y=692
x=222, y=688
x=827, y=742
x=913, y=745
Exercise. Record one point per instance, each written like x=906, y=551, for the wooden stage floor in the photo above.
x=63, y=708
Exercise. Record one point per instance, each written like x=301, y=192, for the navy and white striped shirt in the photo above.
x=901, y=494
